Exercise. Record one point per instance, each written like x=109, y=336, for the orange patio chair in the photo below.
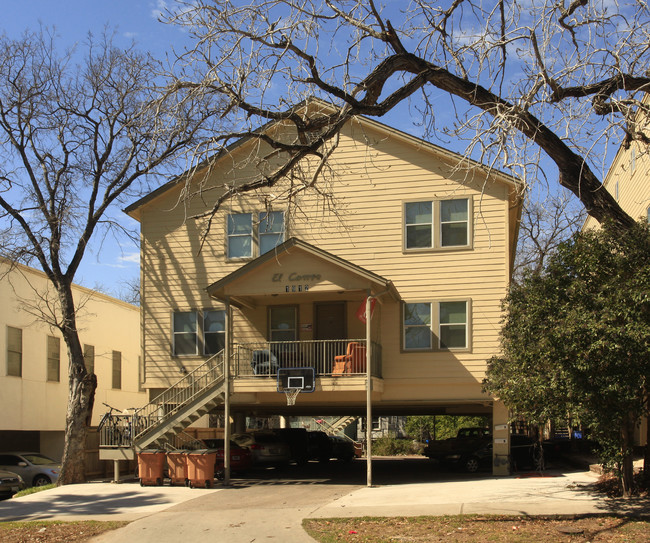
x=353, y=361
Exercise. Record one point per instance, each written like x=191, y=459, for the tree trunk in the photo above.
x=81, y=396
x=627, y=468
x=646, y=455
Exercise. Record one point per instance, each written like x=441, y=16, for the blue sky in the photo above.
x=110, y=263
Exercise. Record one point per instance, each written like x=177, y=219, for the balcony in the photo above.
x=262, y=359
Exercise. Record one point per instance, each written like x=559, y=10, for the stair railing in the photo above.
x=165, y=406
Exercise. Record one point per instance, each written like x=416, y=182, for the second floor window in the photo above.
x=193, y=335
x=14, y=351
x=436, y=325
x=437, y=224
x=117, y=370
x=89, y=358
x=283, y=323
x=251, y=235
x=53, y=358
x=214, y=331
x=185, y=333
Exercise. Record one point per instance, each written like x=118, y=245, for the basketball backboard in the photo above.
x=296, y=378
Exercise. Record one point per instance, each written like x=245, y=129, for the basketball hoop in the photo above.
x=292, y=394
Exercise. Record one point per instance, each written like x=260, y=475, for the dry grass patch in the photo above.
x=54, y=531
x=466, y=529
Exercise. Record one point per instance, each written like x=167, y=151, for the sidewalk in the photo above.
x=274, y=511
x=97, y=501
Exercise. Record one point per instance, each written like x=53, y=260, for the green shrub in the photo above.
x=389, y=446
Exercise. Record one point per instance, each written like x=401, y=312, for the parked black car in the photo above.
x=298, y=441
x=471, y=459
x=342, y=448
x=320, y=446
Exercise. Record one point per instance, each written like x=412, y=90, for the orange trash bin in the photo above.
x=151, y=465
x=200, y=467
x=177, y=466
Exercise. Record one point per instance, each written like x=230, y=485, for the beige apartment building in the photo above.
x=34, y=376
x=420, y=235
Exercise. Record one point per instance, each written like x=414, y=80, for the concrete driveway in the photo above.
x=271, y=504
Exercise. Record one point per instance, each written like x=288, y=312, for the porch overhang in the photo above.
x=296, y=268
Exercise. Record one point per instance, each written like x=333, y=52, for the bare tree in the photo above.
x=545, y=224
x=76, y=139
x=538, y=89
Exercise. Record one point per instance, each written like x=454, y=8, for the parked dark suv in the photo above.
x=298, y=441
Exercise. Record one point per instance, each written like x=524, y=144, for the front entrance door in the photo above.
x=330, y=325
x=330, y=321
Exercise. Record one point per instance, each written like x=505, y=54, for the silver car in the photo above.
x=34, y=468
x=10, y=483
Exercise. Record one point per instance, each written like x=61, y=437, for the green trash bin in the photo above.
x=200, y=468
x=151, y=466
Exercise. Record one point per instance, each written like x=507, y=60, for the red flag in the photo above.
x=361, y=312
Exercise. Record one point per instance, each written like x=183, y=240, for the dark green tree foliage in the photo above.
x=576, y=340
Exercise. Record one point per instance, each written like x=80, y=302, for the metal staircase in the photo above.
x=158, y=423
x=336, y=427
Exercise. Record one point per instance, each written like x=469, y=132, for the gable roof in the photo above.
x=445, y=154
x=280, y=254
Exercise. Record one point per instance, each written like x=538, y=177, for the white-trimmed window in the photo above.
x=185, y=332
x=440, y=325
x=453, y=325
x=437, y=224
x=271, y=230
x=195, y=332
x=248, y=238
x=214, y=331
x=283, y=323
x=417, y=326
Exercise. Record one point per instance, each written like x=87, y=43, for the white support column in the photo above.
x=226, y=406
x=116, y=471
x=368, y=392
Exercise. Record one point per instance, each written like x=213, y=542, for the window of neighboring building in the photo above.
x=632, y=159
x=283, y=323
x=214, y=331
x=53, y=358
x=448, y=319
x=242, y=231
x=117, y=370
x=437, y=224
x=89, y=358
x=648, y=213
x=185, y=333
x=14, y=351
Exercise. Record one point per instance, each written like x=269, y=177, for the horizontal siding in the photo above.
x=362, y=222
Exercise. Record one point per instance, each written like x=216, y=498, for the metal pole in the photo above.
x=226, y=405
x=368, y=393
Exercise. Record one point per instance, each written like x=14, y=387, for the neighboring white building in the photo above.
x=33, y=371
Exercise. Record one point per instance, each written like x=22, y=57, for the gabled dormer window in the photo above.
x=251, y=235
